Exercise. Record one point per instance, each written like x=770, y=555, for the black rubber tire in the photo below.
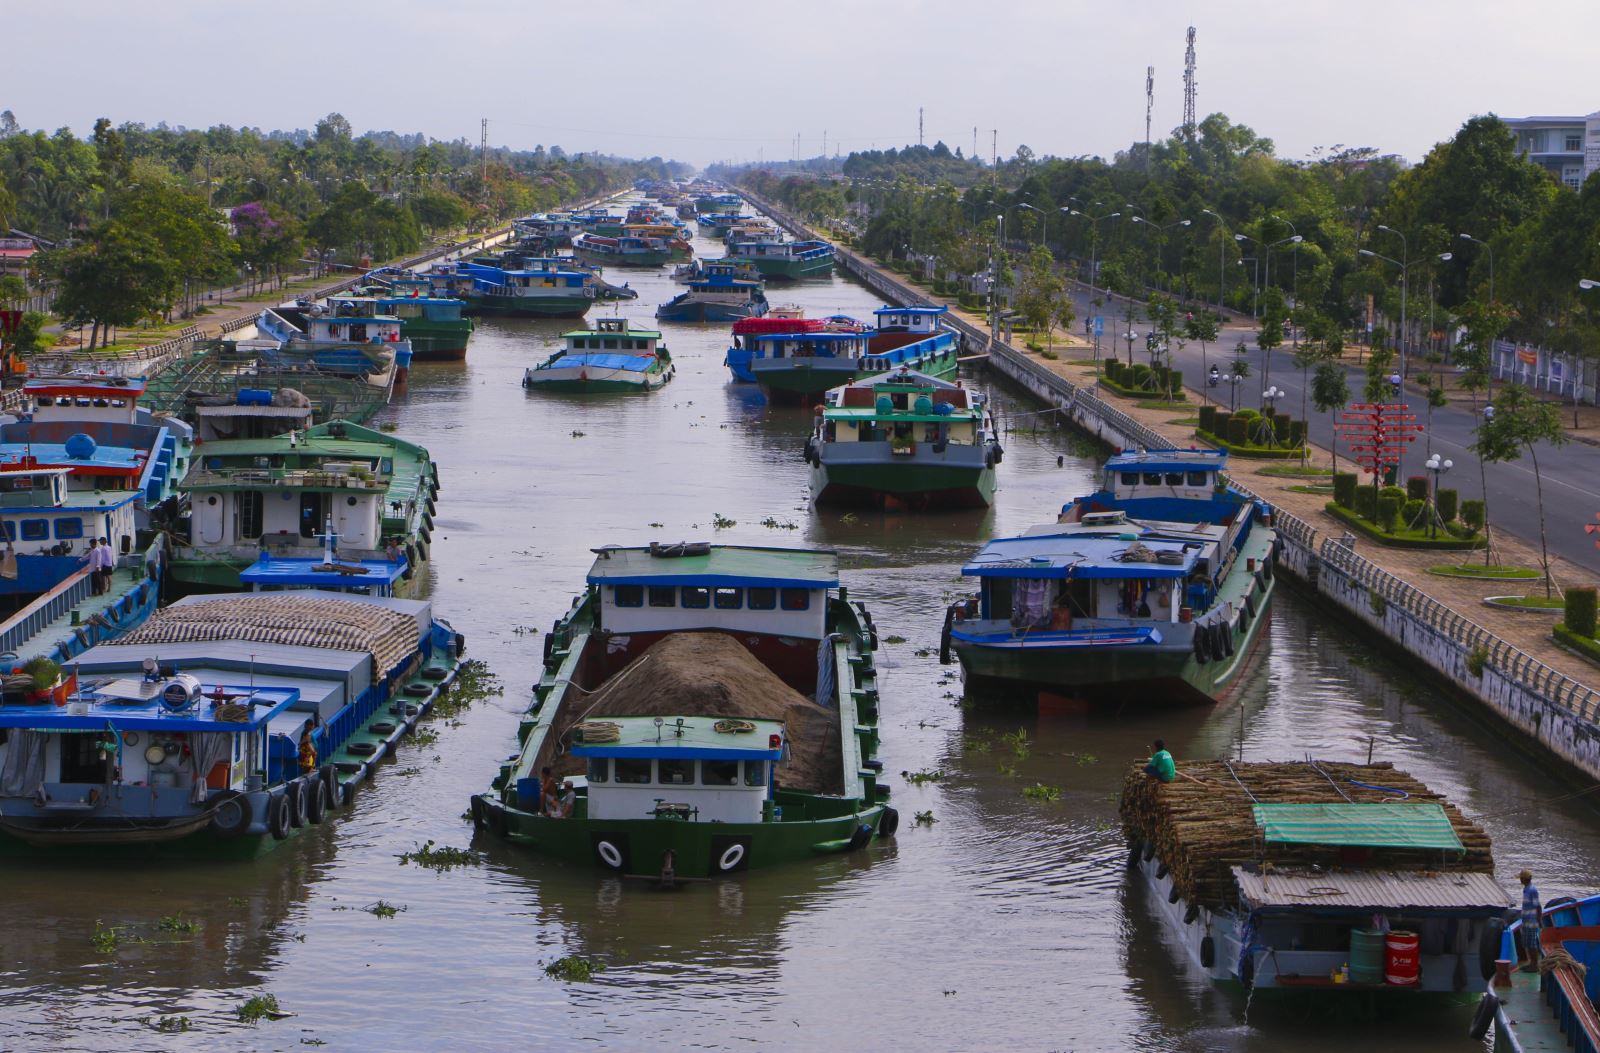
x=1175, y=895
x=475, y=809
x=1133, y=857
x=230, y=813
x=1247, y=970
x=295, y=794
x=1162, y=871
x=1489, y=946
x=888, y=822
x=278, y=817
x=1484, y=1017
x=1225, y=634
x=1202, y=644
x=1208, y=951
x=1250, y=604
x=330, y=779
x=315, y=793
x=860, y=837
x=549, y=647
x=1190, y=913
x=1149, y=851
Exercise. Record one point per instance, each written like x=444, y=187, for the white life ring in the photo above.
x=731, y=857
x=609, y=854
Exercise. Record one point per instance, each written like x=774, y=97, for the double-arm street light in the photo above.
x=1404, y=263
x=1222, y=255
x=1162, y=228
x=1094, y=243
x=1255, y=303
x=1404, y=266
x=1588, y=283
x=1294, y=289
x=1043, y=217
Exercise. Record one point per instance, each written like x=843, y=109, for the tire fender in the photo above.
x=888, y=823
x=231, y=813
x=278, y=816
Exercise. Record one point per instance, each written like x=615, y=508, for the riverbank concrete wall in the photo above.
x=1555, y=712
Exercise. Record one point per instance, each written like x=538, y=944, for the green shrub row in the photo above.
x=1245, y=449
x=1580, y=617
x=1366, y=528
x=1586, y=646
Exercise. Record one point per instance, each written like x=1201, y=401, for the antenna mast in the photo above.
x=1189, y=88
x=919, y=125
x=483, y=156
x=1149, y=104
x=994, y=155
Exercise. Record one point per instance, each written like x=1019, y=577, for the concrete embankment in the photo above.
x=1555, y=709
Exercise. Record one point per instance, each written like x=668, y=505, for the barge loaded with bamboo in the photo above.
x=1317, y=875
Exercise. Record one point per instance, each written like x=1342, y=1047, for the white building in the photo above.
x=1569, y=147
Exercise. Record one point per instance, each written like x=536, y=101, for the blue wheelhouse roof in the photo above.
x=720, y=565
x=123, y=711
x=1173, y=460
x=911, y=310
x=281, y=570
x=1076, y=555
x=604, y=360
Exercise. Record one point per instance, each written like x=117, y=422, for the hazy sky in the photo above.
x=706, y=81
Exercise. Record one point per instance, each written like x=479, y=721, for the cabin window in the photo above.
x=311, y=514
x=9, y=530
x=675, y=772
x=35, y=529
x=755, y=773
x=663, y=596
x=1174, y=478
x=1152, y=478
x=632, y=770
x=1130, y=478
x=250, y=508
x=728, y=599
x=719, y=772
x=68, y=528
x=762, y=598
x=796, y=599
x=697, y=597
x=598, y=770
x=628, y=595
x=1197, y=478
x=610, y=343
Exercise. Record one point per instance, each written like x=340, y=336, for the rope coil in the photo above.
x=733, y=727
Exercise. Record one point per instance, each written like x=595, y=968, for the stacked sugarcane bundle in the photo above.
x=1202, y=823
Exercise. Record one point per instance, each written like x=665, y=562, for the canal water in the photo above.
x=999, y=923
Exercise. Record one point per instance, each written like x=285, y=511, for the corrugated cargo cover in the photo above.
x=1370, y=890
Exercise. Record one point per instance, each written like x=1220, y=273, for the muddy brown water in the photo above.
x=1005, y=924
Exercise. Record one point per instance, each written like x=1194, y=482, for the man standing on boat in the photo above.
x=1161, y=767
x=1529, y=933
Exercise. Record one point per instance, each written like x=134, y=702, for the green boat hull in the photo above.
x=789, y=268
x=530, y=306
x=912, y=486
x=698, y=850
x=437, y=340
x=591, y=387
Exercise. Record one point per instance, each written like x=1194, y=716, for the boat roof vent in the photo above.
x=1104, y=518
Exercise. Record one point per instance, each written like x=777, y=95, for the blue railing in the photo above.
x=32, y=619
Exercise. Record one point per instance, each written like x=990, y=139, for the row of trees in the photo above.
x=138, y=213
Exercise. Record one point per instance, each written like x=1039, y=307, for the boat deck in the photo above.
x=1537, y=1028
x=43, y=642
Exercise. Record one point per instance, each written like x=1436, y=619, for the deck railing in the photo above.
x=31, y=620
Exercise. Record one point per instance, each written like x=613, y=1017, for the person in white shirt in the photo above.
x=108, y=564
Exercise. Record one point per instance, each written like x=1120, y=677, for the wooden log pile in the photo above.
x=1202, y=823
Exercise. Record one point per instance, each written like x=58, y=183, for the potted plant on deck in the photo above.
x=48, y=683
x=902, y=446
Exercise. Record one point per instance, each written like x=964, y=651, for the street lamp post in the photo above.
x=1094, y=244
x=1043, y=217
x=1437, y=468
x=1405, y=267
x=1269, y=408
x=1255, y=282
x=1222, y=255
x=1161, y=229
x=1294, y=293
x=1233, y=392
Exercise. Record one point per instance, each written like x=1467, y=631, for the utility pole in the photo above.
x=1149, y=104
x=994, y=154
x=483, y=157
x=824, y=144
x=919, y=125
x=974, y=154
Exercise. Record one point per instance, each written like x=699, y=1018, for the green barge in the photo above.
x=705, y=710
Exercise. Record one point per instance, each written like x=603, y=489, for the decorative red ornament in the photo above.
x=1377, y=433
x=1593, y=528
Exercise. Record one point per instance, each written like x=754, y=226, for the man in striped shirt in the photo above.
x=1530, y=923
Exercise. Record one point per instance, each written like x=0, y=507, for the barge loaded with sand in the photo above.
x=704, y=709
x=1317, y=876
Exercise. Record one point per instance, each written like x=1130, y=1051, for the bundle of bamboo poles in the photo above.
x=1202, y=823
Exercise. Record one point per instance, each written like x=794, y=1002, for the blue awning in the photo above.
x=360, y=573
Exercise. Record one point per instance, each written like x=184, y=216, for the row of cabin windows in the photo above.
x=39, y=529
x=1167, y=479
x=637, y=771
x=68, y=400
x=610, y=343
x=700, y=597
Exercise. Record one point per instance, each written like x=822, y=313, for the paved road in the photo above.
x=1571, y=472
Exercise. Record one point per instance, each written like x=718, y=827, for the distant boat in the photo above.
x=716, y=224
x=628, y=251
x=718, y=295
x=801, y=367
x=903, y=440
x=434, y=325
x=348, y=336
x=787, y=260
x=611, y=358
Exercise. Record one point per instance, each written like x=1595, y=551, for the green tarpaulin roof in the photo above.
x=1386, y=825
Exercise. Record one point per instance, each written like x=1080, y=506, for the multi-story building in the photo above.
x=1568, y=146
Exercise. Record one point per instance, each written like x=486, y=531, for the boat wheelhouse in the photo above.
x=1155, y=587
x=802, y=367
x=226, y=723
x=717, y=224
x=1318, y=877
x=749, y=739
x=718, y=203
x=903, y=440
x=613, y=357
x=625, y=251
x=719, y=294
x=348, y=336
x=260, y=504
x=433, y=325
x=697, y=268
x=785, y=260
x=528, y=287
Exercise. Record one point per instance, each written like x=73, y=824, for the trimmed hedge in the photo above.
x=1472, y=514
x=1344, y=488
x=1223, y=417
x=1417, y=487
x=1580, y=617
x=1136, y=393
x=1265, y=453
x=1366, y=528
x=1411, y=511
x=1586, y=647
x=1208, y=418
x=1447, y=502
x=1365, y=504
x=1238, y=433
x=1388, y=512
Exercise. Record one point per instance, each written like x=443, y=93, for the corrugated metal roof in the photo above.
x=1370, y=889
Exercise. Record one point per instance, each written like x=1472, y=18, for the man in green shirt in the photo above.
x=1161, y=766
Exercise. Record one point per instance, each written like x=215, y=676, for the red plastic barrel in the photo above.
x=1402, y=959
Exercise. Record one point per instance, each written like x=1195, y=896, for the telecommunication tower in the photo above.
x=483, y=153
x=1188, y=88
x=919, y=125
